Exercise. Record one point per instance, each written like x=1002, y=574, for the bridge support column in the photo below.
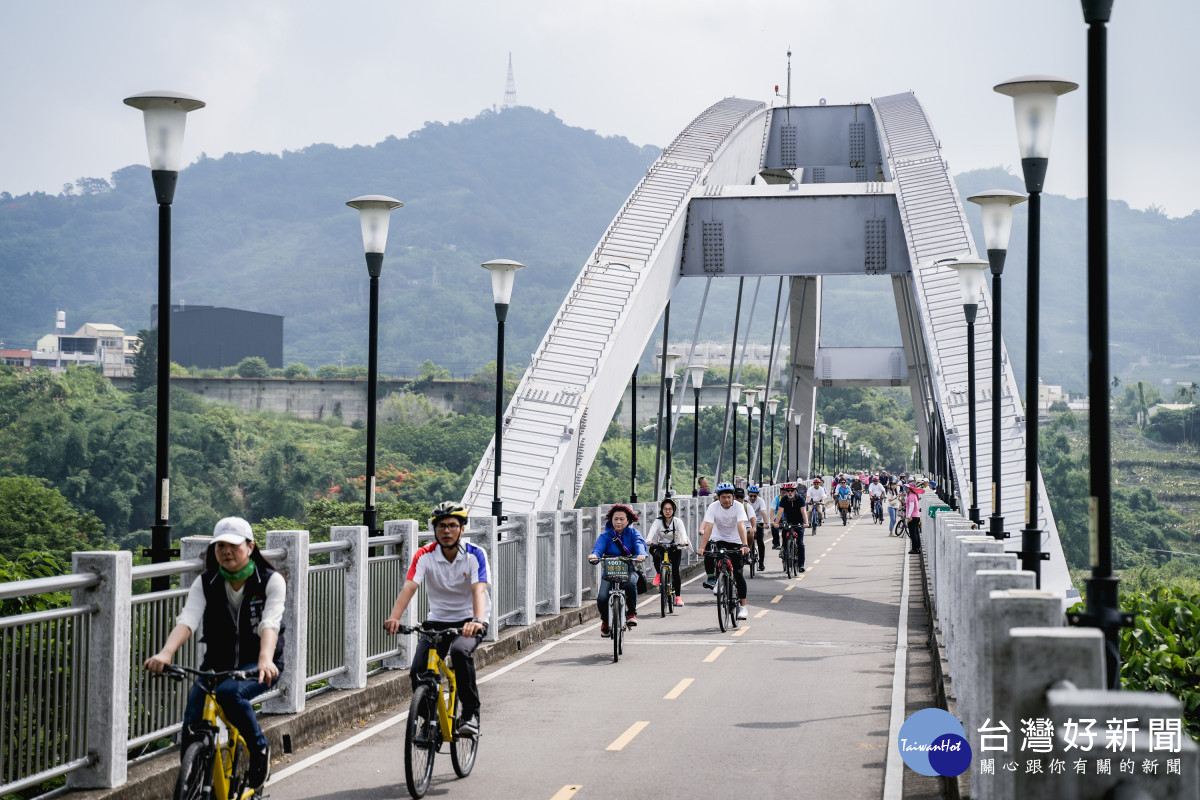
x=406, y=531
x=108, y=648
x=357, y=604
x=294, y=566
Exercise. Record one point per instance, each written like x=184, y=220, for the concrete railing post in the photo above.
x=107, y=671
x=973, y=687
x=357, y=605
x=961, y=635
x=550, y=574
x=406, y=529
x=482, y=533
x=294, y=567
x=1012, y=608
x=527, y=566
x=574, y=557
x=1064, y=702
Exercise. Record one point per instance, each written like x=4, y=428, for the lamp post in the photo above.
x=970, y=284
x=822, y=428
x=633, y=429
x=749, y=397
x=1103, y=608
x=837, y=449
x=504, y=274
x=165, y=117
x=772, y=408
x=374, y=213
x=997, y=206
x=797, y=421
x=696, y=373
x=1035, y=100
x=735, y=393
x=664, y=414
x=762, y=421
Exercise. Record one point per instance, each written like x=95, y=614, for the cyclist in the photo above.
x=239, y=597
x=856, y=487
x=876, y=491
x=456, y=578
x=725, y=523
x=619, y=538
x=792, y=508
x=758, y=519
x=668, y=534
x=817, y=497
x=844, y=497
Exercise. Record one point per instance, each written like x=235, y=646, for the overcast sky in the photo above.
x=283, y=74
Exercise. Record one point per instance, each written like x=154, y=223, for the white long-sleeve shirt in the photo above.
x=272, y=615
x=658, y=535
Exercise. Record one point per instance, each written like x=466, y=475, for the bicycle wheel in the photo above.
x=722, y=602
x=787, y=557
x=462, y=749
x=732, y=613
x=753, y=561
x=420, y=740
x=194, y=770
x=616, y=614
x=793, y=557
x=664, y=589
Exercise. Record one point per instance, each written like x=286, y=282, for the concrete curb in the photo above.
x=332, y=711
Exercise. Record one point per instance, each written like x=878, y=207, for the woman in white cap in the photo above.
x=239, y=598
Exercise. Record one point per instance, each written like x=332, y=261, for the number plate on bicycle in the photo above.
x=614, y=569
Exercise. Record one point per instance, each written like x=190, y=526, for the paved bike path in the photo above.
x=795, y=702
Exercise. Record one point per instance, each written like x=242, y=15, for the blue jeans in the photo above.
x=891, y=519
x=235, y=698
x=630, y=588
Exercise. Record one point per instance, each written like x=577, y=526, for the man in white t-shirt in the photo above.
x=816, y=497
x=455, y=575
x=759, y=519
x=725, y=523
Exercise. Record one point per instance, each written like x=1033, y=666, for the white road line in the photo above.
x=627, y=737
x=893, y=771
x=679, y=688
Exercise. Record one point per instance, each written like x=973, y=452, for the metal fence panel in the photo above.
x=385, y=576
x=156, y=704
x=326, y=621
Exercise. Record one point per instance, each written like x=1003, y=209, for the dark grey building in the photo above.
x=211, y=337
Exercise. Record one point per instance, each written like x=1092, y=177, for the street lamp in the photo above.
x=374, y=213
x=917, y=446
x=970, y=284
x=735, y=393
x=773, y=407
x=822, y=428
x=668, y=361
x=762, y=421
x=997, y=206
x=633, y=430
x=165, y=117
x=504, y=274
x=797, y=421
x=1035, y=101
x=750, y=395
x=837, y=449
x=696, y=373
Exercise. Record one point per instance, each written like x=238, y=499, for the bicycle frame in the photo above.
x=436, y=667
x=222, y=772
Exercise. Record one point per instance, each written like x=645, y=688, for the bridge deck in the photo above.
x=795, y=702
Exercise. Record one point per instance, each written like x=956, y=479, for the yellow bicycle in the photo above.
x=212, y=768
x=433, y=716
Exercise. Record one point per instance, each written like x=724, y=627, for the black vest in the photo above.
x=792, y=508
x=233, y=642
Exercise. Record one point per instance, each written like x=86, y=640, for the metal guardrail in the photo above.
x=49, y=659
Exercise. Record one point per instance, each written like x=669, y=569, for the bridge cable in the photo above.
x=756, y=452
x=687, y=373
x=741, y=361
x=737, y=316
x=775, y=331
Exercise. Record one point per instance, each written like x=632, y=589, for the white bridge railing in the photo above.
x=75, y=701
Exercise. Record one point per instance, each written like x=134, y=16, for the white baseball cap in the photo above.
x=233, y=530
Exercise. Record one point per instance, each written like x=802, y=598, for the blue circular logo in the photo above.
x=933, y=742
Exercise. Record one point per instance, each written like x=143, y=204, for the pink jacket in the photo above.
x=912, y=506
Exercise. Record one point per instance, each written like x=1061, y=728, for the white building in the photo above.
x=98, y=344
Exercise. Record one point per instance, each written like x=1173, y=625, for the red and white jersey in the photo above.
x=448, y=583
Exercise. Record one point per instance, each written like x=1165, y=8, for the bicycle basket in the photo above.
x=614, y=569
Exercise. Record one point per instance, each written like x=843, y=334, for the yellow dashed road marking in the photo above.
x=711, y=657
x=567, y=792
x=678, y=690
x=760, y=614
x=742, y=630
x=627, y=737
x=777, y=597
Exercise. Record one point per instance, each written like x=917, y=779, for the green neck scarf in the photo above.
x=240, y=575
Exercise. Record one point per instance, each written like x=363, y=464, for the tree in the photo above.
x=253, y=367
x=36, y=517
x=297, y=371
x=145, y=363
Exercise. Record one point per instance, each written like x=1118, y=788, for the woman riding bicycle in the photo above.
x=619, y=538
x=667, y=534
x=239, y=597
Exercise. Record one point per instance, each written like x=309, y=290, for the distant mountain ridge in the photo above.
x=272, y=233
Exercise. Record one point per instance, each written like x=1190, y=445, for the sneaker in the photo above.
x=468, y=728
x=774, y=547
x=657, y=579
x=631, y=620
x=260, y=769
x=710, y=583
x=714, y=588
x=605, y=631
x=762, y=565
x=679, y=602
x=743, y=613
x=913, y=552
x=801, y=569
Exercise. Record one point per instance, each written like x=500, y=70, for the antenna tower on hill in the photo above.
x=510, y=87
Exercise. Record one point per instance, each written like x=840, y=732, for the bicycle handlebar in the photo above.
x=420, y=630
x=178, y=673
